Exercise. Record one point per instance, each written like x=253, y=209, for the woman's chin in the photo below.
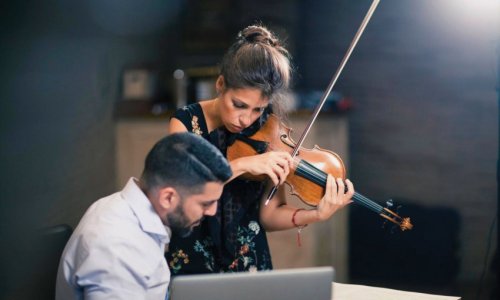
x=234, y=129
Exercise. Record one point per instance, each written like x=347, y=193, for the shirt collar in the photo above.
x=146, y=215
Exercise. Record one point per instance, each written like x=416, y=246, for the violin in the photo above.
x=307, y=177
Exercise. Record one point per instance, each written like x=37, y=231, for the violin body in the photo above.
x=307, y=177
x=309, y=190
x=277, y=137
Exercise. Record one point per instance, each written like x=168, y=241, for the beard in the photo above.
x=179, y=224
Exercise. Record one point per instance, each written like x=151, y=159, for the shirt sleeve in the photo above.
x=113, y=270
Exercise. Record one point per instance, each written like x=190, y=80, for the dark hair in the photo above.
x=186, y=162
x=257, y=60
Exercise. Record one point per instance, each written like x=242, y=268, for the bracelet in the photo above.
x=299, y=227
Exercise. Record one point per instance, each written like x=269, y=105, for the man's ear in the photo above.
x=168, y=198
x=219, y=84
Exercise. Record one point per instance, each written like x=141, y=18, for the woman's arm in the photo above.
x=175, y=126
x=274, y=164
x=277, y=215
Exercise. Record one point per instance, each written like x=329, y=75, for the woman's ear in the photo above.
x=219, y=84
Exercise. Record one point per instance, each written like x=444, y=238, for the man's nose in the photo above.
x=211, y=210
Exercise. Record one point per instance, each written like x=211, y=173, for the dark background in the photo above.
x=423, y=129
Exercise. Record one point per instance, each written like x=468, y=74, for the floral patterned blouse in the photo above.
x=233, y=240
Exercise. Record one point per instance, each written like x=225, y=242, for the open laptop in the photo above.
x=287, y=284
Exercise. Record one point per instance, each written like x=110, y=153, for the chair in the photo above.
x=55, y=238
x=40, y=282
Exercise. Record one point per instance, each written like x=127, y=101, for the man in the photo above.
x=117, y=249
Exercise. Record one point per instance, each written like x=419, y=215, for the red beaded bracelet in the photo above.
x=299, y=227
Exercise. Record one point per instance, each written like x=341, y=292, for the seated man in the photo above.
x=116, y=251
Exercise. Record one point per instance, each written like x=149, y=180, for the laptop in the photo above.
x=284, y=284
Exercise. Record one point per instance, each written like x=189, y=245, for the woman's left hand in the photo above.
x=335, y=198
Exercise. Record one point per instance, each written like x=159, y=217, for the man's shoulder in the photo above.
x=110, y=247
x=110, y=209
x=106, y=221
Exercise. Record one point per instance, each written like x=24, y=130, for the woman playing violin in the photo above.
x=255, y=75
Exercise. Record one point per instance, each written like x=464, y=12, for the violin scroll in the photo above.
x=403, y=223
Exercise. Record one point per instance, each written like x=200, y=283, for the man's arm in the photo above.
x=117, y=270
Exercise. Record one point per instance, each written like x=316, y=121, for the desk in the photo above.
x=342, y=291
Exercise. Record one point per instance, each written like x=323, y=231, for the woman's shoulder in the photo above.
x=192, y=117
x=188, y=111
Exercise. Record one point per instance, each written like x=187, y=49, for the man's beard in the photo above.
x=178, y=222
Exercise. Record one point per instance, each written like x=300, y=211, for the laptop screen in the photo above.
x=287, y=284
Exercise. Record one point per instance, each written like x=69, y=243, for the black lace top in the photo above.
x=233, y=240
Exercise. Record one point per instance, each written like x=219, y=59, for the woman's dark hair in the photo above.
x=185, y=162
x=258, y=60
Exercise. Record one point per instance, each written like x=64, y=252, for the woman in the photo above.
x=255, y=75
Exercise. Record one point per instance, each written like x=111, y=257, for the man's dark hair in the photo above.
x=185, y=162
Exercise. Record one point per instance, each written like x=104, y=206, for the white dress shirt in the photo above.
x=116, y=251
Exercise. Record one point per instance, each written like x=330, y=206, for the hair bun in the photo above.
x=258, y=34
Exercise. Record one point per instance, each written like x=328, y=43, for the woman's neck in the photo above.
x=212, y=116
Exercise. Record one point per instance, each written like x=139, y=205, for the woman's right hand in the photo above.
x=275, y=164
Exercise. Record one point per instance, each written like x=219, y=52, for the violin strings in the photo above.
x=368, y=203
x=309, y=171
x=318, y=176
